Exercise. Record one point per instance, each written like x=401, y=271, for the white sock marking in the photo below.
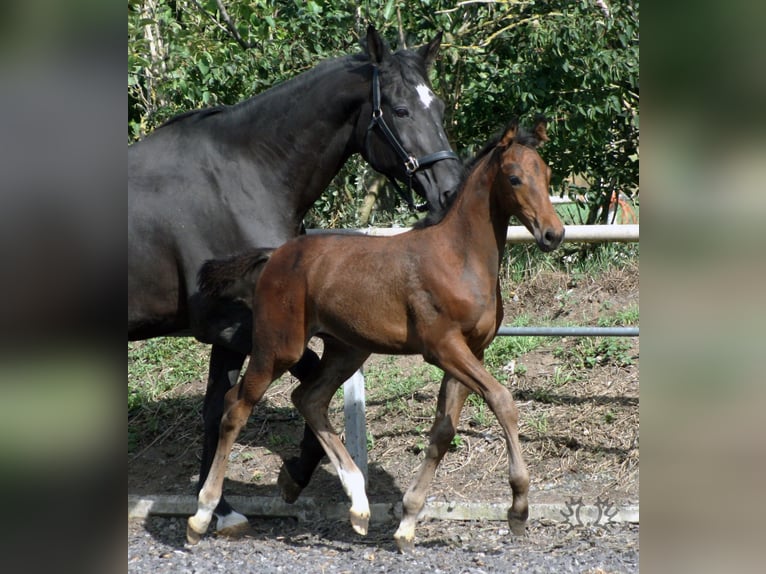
x=232, y=519
x=353, y=484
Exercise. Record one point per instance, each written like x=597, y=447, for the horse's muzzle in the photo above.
x=549, y=238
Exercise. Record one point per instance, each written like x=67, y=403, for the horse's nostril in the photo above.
x=552, y=238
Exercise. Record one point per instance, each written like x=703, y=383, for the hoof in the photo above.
x=405, y=545
x=360, y=521
x=517, y=525
x=234, y=525
x=290, y=489
x=193, y=533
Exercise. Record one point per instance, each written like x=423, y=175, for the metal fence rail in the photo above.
x=568, y=331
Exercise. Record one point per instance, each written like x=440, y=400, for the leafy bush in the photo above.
x=575, y=62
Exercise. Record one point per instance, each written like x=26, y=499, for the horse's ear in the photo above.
x=510, y=133
x=429, y=51
x=377, y=48
x=541, y=128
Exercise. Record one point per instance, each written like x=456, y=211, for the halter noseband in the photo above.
x=411, y=163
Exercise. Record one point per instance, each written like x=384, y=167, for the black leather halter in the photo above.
x=411, y=163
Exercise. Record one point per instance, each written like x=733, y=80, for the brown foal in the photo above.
x=432, y=291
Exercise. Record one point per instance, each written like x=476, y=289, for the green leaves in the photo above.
x=564, y=59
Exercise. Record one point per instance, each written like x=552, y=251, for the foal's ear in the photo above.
x=541, y=128
x=510, y=133
x=429, y=51
x=377, y=48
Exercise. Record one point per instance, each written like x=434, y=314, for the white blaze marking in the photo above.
x=426, y=95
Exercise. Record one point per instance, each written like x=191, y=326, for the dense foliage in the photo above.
x=574, y=61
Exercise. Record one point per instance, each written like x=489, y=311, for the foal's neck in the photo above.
x=475, y=220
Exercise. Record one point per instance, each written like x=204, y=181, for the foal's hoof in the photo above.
x=517, y=525
x=359, y=521
x=405, y=545
x=193, y=532
x=290, y=489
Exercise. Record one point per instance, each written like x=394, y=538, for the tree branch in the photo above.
x=230, y=27
x=234, y=32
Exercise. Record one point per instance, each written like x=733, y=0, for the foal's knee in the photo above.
x=442, y=434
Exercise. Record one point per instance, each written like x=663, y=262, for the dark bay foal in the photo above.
x=432, y=291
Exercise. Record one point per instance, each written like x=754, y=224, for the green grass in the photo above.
x=625, y=317
x=387, y=381
x=521, y=261
x=155, y=369
x=538, y=422
x=589, y=352
x=157, y=366
x=503, y=350
x=481, y=415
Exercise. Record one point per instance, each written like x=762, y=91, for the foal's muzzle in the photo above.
x=549, y=238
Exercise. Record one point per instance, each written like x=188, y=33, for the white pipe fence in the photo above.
x=519, y=234
x=353, y=389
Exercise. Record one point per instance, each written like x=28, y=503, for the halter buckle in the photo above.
x=411, y=164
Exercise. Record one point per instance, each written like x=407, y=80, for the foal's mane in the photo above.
x=523, y=137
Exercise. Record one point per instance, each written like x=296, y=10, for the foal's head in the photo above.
x=523, y=186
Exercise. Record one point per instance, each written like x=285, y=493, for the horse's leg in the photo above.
x=225, y=366
x=297, y=471
x=238, y=404
x=312, y=399
x=452, y=396
x=456, y=358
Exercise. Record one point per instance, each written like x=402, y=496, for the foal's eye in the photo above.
x=401, y=112
x=515, y=181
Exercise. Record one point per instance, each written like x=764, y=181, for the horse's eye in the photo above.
x=515, y=181
x=401, y=112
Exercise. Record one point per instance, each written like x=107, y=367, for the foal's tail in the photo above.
x=235, y=277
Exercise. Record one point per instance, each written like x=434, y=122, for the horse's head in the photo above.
x=522, y=187
x=404, y=136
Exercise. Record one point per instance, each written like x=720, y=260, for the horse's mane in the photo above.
x=523, y=136
x=409, y=61
x=198, y=114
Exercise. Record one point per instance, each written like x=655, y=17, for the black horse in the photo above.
x=215, y=182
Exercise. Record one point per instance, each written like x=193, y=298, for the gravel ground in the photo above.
x=285, y=545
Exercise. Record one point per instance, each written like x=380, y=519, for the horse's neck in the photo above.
x=305, y=127
x=477, y=225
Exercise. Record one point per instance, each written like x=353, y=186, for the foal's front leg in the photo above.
x=452, y=396
x=467, y=368
x=462, y=366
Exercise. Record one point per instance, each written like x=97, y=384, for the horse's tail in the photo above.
x=235, y=277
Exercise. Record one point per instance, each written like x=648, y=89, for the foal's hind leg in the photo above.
x=312, y=399
x=452, y=395
x=225, y=366
x=239, y=403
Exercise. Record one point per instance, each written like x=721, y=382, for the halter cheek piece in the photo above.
x=411, y=163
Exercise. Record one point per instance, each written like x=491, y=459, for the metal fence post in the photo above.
x=356, y=425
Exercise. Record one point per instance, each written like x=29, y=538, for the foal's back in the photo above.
x=381, y=294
